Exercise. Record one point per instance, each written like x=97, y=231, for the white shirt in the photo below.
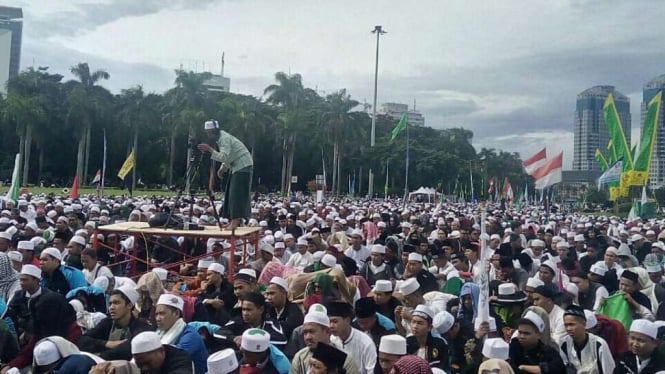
x=362, y=348
x=98, y=271
x=300, y=261
x=557, y=329
x=360, y=255
x=595, y=353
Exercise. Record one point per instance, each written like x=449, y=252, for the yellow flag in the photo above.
x=127, y=166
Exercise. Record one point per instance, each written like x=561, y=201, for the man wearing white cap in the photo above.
x=57, y=277
x=151, y=356
x=316, y=329
x=223, y=362
x=584, y=351
x=423, y=343
x=384, y=299
x=590, y=293
x=17, y=260
x=643, y=355
x=235, y=159
x=260, y=356
x=280, y=308
x=414, y=269
x=216, y=300
x=72, y=255
x=173, y=330
x=266, y=255
x=58, y=355
x=391, y=349
x=23, y=300
x=27, y=249
x=92, y=269
x=302, y=258
x=5, y=241
x=358, y=252
x=528, y=353
x=376, y=268
x=110, y=339
x=192, y=287
x=359, y=344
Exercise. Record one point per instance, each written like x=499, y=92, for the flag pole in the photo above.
x=385, y=190
x=101, y=188
x=406, y=171
x=471, y=181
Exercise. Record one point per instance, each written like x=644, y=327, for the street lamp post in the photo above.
x=378, y=30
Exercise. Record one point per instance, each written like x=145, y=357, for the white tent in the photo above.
x=425, y=193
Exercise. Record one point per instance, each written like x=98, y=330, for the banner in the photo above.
x=615, y=132
x=640, y=172
x=12, y=194
x=127, y=166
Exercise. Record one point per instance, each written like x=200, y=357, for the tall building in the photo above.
x=396, y=110
x=657, y=172
x=218, y=83
x=11, y=27
x=590, y=127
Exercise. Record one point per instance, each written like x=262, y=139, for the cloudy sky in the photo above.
x=508, y=70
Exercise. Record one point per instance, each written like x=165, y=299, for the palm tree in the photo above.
x=25, y=111
x=296, y=105
x=87, y=99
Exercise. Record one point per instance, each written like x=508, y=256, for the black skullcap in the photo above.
x=579, y=274
x=575, y=311
x=446, y=243
x=506, y=262
x=514, y=237
x=324, y=230
x=437, y=253
x=330, y=356
x=408, y=248
x=546, y=291
x=281, y=217
x=629, y=275
x=339, y=309
x=255, y=298
x=525, y=260
x=365, y=307
x=457, y=255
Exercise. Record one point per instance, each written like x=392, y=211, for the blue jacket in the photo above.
x=190, y=341
x=64, y=279
x=75, y=364
x=279, y=360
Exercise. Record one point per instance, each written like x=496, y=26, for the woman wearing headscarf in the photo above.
x=411, y=364
x=8, y=278
x=468, y=309
x=149, y=287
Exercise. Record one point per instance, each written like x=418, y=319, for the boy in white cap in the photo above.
x=173, y=330
x=391, y=349
x=111, y=337
x=376, y=268
x=237, y=162
x=151, y=356
x=24, y=299
x=280, y=308
x=359, y=344
x=528, y=353
x=192, y=286
x=302, y=258
x=384, y=299
x=260, y=355
x=584, y=351
x=316, y=329
x=215, y=302
x=223, y=362
x=57, y=277
x=423, y=343
x=414, y=269
x=27, y=249
x=643, y=355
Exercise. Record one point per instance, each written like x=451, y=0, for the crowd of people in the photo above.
x=341, y=286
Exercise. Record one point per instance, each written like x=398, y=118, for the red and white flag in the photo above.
x=534, y=162
x=549, y=173
x=507, y=191
x=491, y=189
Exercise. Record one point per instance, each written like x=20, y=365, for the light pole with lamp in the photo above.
x=378, y=30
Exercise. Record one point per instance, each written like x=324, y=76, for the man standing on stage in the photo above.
x=236, y=159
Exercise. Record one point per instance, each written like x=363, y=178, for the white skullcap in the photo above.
x=249, y=272
x=381, y=224
x=255, y=340
x=378, y=248
x=534, y=282
x=204, y=264
x=645, y=327
x=591, y=320
x=15, y=256
x=26, y=244
x=443, y=322
x=172, y=301
x=393, y=344
x=497, y=237
x=490, y=320
x=570, y=235
x=210, y=124
x=636, y=237
x=538, y=243
x=130, y=293
x=32, y=271
x=288, y=236
x=572, y=288
x=318, y=256
x=318, y=314
x=357, y=232
x=495, y=348
x=329, y=260
x=222, y=362
x=146, y=341
x=598, y=269
x=280, y=282
x=653, y=267
x=280, y=245
x=423, y=311
x=101, y=282
x=32, y=226
x=302, y=241
x=5, y=235
x=383, y=286
x=267, y=248
x=561, y=244
x=46, y=353
x=535, y=319
x=579, y=238
x=161, y=273
x=409, y=286
x=78, y=240
x=216, y=267
x=415, y=257
x=53, y=252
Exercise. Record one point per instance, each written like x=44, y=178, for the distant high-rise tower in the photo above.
x=590, y=127
x=11, y=27
x=657, y=172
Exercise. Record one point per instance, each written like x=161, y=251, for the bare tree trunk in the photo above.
x=40, y=166
x=84, y=174
x=334, y=167
x=284, y=160
x=135, y=148
x=171, y=158
x=291, y=153
x=21, y=146
x=26, y=150
x=339, y=171
x=80, y=155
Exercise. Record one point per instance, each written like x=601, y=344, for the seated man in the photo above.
x=173, y=330
x=643, y=356
x=260, y=354
x=57, y=277
x=359, y=344
x=58, y=355
x=423, y=343
x=384, y=299
x=253, y=316
x=151, y=356
x=280, y=308
x=194, y=287
x=216, y=299
x=110, y=339
x=370, y=322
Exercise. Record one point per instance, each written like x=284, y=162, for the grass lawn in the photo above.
x=108, y=191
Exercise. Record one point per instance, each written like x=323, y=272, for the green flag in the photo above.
x=615, y=132
x=640, y=172
x=601, y=160
x=401, y=126
x=12, y=194
x=616, y=307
